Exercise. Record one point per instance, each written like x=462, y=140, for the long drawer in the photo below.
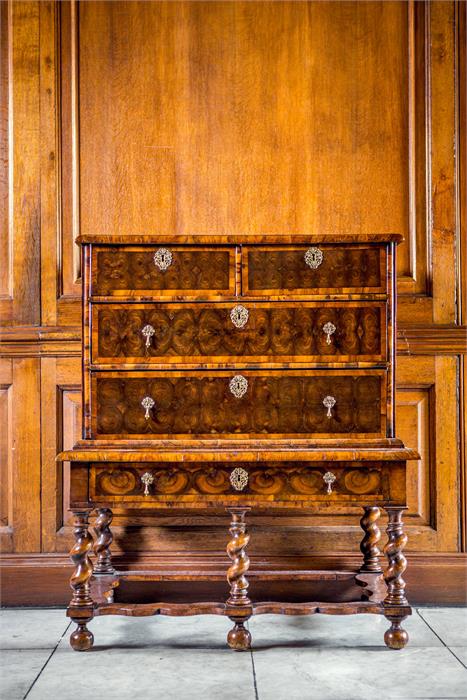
x=253, y=332
x=205, y=404
x=270, y=482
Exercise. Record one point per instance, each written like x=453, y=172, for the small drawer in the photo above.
x=269, y=482
x=313, y=270
x=164, y=271
x=307, y=332
x=247, y=404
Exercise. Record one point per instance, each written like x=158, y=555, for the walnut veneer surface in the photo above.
x=238, y=375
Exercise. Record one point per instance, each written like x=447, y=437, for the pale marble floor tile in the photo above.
x=334, y=631
x=18, y=669
x=197, y=632
x=352, y=674
x=461, y=653
x=141, y=673
x=31, y=629
x=449, y=623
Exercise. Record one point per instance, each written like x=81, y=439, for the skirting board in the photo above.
x=42, y=579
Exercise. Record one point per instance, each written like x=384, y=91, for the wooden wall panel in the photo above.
x=214, y=117
x=220, y=148
x=6, y=454
x=21, y=303
x=61, y=428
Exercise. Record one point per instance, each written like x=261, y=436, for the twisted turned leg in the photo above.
x=369, y=545
x=81, y=606
x=395, y=637
x=239, y=637
x=103, y=541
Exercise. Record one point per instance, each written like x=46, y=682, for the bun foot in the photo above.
x=396, y=637
x=239, y=638
x=81, y=639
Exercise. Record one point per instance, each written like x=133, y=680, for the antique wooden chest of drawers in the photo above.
x=242, y=373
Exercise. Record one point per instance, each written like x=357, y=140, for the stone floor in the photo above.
x=306, y=658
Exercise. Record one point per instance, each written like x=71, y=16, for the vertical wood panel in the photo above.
x=49, y=161
x=443, y=160
x=26, y=455
x=24, y=179
x=6, y=454
x=61, y=428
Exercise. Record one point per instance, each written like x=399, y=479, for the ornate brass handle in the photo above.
x=329, y=402
x=329, y=328
x=147, y=403
x=314, y=257
x=147, y=479
x=238, y=386
x=239, y=478
x=329, y=478
x=163, y=259
x=148, y=331
x=239, y=316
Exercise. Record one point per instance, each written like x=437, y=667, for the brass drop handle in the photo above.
x=329, y=402
x=329, y=328
x=147, y=403
x=147, y=479
x=239, y=316
x=163, y=259
x=238, y=386
x=148, y=331
x=329, y=478
x=314, y=257
x=239, y=478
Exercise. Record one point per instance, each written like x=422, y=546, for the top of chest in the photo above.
x=176, y=268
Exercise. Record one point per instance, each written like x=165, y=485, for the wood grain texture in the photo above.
x=348, y=269
x=117, y=271
x=286, y=403
x=280, y=481
x=180, y=154
x=184, y=333
x=21, y=304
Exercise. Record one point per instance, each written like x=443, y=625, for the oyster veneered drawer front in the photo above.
x=165, y=271
x=254, y=403
x=317, y=269
x=254, y=332
x=325, y=483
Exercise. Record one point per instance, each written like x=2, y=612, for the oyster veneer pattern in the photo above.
x=346, y=267
x=289, y=330
x=280, y=403
x=275, y=481
x=119, y=270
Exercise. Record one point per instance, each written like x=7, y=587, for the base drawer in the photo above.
x=287, y=483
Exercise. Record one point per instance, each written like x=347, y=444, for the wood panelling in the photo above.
x=235, y=118
x=21, y=302
x=21, y=454
x=61, y=428
x=6, y=454
x=220, y=148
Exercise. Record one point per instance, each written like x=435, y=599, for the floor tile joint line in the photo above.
x=440, y=638
x=46, y=661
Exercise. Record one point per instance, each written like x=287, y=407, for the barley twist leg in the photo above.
x=81, y=606
x=369, y=544
x=103, y=541
x=239, y=637
x=395, y=637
